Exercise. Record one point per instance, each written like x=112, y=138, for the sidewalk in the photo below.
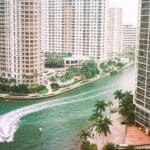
x=121, y=134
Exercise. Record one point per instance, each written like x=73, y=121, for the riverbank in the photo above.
x=61, y=91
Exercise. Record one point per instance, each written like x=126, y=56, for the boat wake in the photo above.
x=9, y=121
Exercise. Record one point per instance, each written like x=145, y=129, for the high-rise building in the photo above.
x=23, y=39
x=78, y=27
x=142, y=95
x=129, y=37
x=114, y=32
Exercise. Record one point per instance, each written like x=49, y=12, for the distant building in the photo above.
x=22, y=39
x=114, y=32
x=129, y=37
x=78, y=27
x=142, y=94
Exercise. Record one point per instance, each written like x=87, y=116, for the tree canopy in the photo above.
x=126, y=106
x=89, y=69
x=102, y=126
x=84, y=134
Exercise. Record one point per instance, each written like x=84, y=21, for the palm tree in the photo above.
x=101, y=106
x=95, y=116
x=109, y=104
x=109, y=146
x=119, y=95
x=85, y=134
x=127, y=107
x=53, y=79
x=102, y=126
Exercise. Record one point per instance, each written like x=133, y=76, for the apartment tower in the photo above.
x=23, y=39
x=142, y=95
x=114, y=32
x=78, y=27
x=129, y=38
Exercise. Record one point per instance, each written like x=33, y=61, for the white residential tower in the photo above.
x=78, y=27
x=114, y=32
x=23, y=38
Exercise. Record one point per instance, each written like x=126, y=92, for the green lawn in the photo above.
x=44, y=91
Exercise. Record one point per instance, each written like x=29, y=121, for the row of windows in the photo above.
x=142, y=117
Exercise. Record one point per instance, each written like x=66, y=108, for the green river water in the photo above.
x=62, y=123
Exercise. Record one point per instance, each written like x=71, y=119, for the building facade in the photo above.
x=129, y=37
x=23, y=39
x=114, y=31
x=142, y=95
x=78, y=27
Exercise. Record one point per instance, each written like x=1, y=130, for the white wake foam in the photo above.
x=9, y=121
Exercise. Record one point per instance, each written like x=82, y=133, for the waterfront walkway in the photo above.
x=117, y=135
x=61, y=90
x=52, y=94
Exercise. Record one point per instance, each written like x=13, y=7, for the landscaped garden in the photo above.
x=9, y=86
x=88, y=70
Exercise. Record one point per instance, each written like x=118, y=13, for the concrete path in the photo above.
x=117, y=135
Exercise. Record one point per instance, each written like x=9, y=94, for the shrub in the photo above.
x=113, y=72
x=55, y=86
x=86, y=145
x=5, y=88
x=35, y=89
x=22, y=88
x=111, y=62
x=40, y=88
x=89, y=69
x=120, y=64
x=109, y=146
x=129, y=148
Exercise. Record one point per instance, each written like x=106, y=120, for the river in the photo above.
x=61, y=119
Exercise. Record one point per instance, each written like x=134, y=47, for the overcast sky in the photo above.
x=130, y=10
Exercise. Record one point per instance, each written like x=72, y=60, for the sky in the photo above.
x=130, y=10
